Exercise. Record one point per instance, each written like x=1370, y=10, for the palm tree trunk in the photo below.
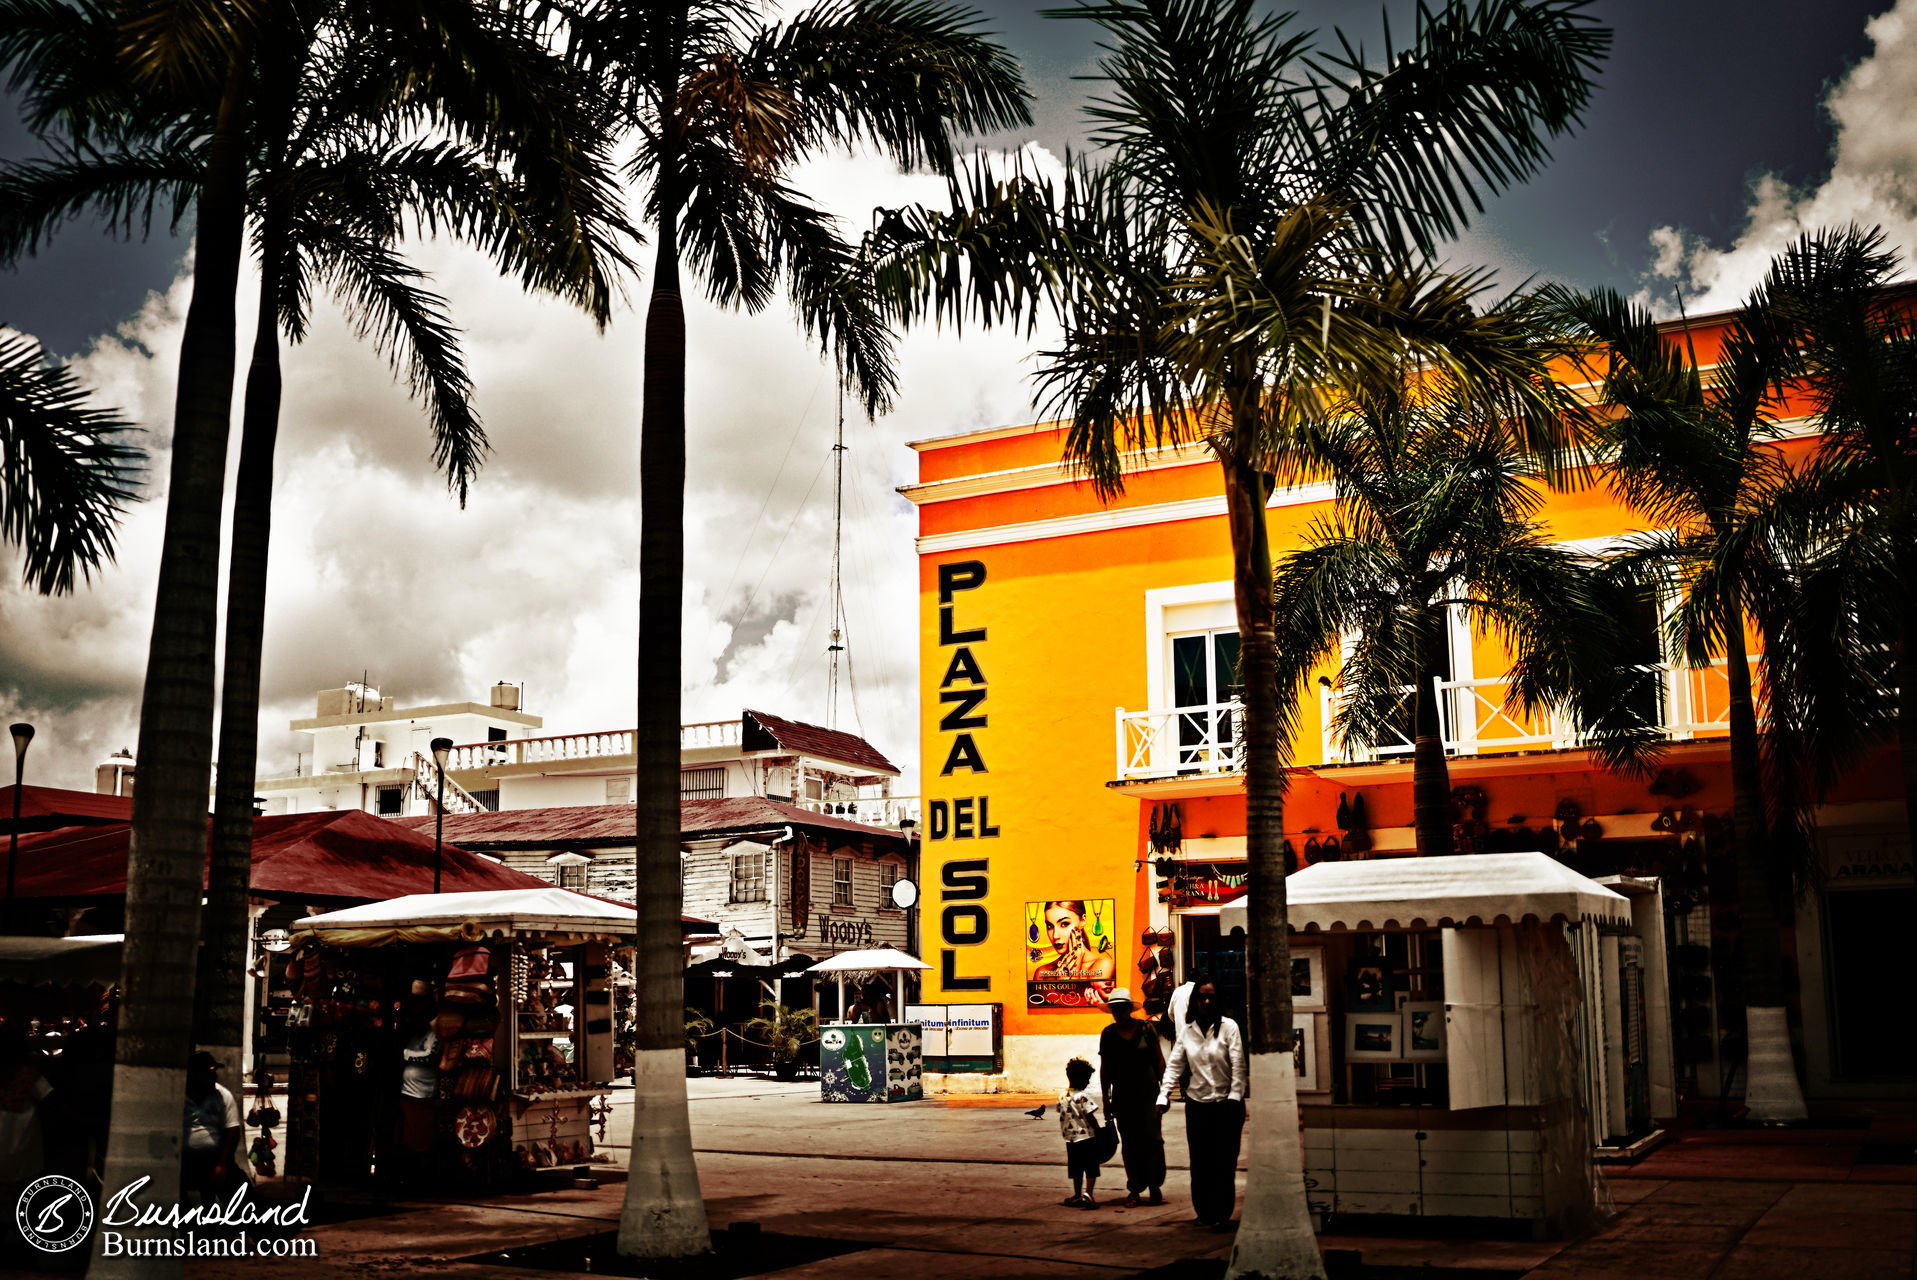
x=221, y=992
x=664, y=1215
x=167, y=855
x=1275, y=1238
x=1431, y=807
x=1906, y=672
x=1771, y=1090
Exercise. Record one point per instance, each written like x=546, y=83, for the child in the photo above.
x=1077, y=1110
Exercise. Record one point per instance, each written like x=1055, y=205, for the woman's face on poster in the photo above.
x=1066, y=927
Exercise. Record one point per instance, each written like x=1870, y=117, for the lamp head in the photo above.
x=22, y=735
x=442, y=747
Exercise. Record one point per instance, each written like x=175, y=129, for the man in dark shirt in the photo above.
x=1129, y=1064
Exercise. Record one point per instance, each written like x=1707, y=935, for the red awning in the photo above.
x=337, y=856
x=47, y=808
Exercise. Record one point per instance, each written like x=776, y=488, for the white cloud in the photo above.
x=1873, y=180
x=375, y=567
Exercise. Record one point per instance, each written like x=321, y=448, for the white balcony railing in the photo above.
x=1481, y=716
x=584, y=746
x=1183, y=740
x=878, y=811
x=1477, y=717
x=569, y=746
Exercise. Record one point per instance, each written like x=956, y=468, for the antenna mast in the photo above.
x=835, y=596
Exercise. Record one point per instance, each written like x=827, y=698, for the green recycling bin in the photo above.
x=871, y=1062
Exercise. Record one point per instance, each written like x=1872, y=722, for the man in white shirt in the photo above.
x=1209, y=1056
x=212, y=1132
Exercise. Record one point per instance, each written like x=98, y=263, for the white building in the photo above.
x=370, y=753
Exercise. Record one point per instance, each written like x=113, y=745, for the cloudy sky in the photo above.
x=1722, y=128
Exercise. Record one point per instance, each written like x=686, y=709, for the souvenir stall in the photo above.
x=461, y=1036
x=1441, y=1068
x=880, y=1061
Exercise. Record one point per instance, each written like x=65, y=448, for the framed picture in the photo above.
x=1371, y=986
x=1304, y=1053
x=1374, y=1037
x=1308, y=979
x=1424, y=1031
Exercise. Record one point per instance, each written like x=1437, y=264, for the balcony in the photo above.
x=585, y=746
x=1481, y=716
x=1180, y=742
x=569, y=746
x=877, y=811
x=1477, y=717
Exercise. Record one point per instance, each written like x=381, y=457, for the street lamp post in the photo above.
x=442, y=747
x=22, y=737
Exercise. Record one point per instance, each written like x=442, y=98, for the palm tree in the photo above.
x=724, y=105
x=1437, y=494
x=785, y=1031
x=1698, y=460
x=1237, y=156
x=337, y=166
x=66, y=470
x=1853, y=357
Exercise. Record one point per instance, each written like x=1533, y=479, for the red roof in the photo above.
x=45, y=808
x=338, y=855
x=815, y=740
x=615, y=824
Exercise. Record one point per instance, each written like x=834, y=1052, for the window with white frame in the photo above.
x=748, y=876
x=1191, y=669
x=841, y=882
x=572, y=875
x=888, y=876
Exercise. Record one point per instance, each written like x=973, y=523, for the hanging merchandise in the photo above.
x=1167, y=829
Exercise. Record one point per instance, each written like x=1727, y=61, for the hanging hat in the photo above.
x=1120, y=995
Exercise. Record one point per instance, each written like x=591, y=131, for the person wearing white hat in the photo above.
x=1129, y=1064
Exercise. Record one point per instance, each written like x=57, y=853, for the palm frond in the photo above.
x=907, y=76
x=1417, y=137
x=121, y=190
x=383, y=298
x=67, y=470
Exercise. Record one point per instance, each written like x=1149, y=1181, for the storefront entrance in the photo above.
x=1865, y=934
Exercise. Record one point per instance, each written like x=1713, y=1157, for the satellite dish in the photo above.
x=904, y=893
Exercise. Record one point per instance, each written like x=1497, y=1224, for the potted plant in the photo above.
x=785, y=1032
x=698, y=1027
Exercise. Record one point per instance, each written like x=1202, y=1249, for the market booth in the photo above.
x=1440, y=1057
x=517, y=987
x=871, y=1061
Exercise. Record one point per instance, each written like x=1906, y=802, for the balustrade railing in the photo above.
x=877, y=811
x=1477, y=716
x=1183, y=740
x=426, y=777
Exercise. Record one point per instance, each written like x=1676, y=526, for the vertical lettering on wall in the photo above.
x=963, y=919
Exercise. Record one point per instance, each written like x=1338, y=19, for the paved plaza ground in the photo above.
x=935, y=1190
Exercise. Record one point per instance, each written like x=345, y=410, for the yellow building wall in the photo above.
x=1063, y=644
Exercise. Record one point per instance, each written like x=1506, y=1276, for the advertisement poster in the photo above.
x=1071, y=954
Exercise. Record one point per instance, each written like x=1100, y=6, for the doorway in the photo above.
x=1867, y=954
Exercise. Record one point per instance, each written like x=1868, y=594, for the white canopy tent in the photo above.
x=495, y=913
x=85, y=959
x=871, y=960
x=1429, y=893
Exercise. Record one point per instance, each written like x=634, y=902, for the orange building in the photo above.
x=1076, y=673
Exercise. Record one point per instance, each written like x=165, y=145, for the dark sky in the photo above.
x=1699, y=97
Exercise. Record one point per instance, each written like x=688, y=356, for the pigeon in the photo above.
x=1037, y=1111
